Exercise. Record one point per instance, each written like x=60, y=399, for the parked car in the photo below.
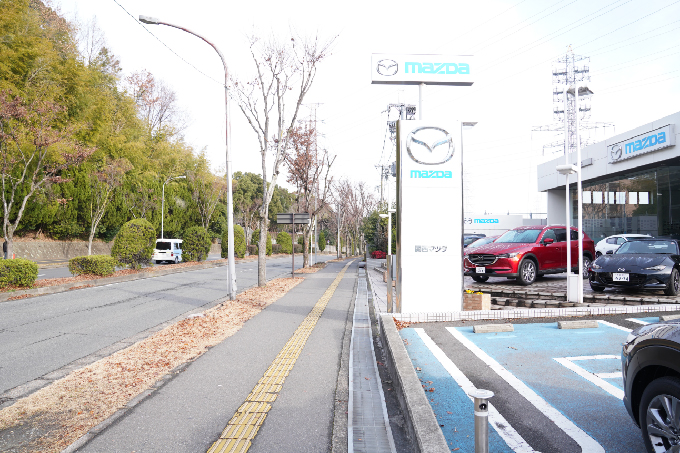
x=651, y=382
x=527, y=253
x=642, y=263
x=167, y=250
x=613, y=242
x=470, y=238
x=479, y=242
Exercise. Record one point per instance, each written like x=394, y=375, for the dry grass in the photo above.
x=73, y=405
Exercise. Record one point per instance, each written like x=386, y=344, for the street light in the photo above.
x=163, y=200
x=231, y=281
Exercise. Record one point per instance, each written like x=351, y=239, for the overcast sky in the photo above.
x=634, y=46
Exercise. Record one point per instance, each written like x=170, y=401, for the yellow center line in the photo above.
x=246, y=422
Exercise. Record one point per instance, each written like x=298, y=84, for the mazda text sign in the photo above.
x=417, y=69
x=429, y=214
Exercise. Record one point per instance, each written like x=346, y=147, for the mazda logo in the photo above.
x=616, y=152
x=387, y=67
x=429, y=145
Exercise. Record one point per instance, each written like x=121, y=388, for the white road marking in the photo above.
x=41, y=275
x=592, y=377
x=615, y=326
x=639, y=321
x=615, y=375
x=500, y=424
x=586, y=442
x=593, y=357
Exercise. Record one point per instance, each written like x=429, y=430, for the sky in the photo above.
x=633, y=45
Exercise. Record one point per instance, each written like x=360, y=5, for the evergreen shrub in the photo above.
x=92, y=264
x=239, y=242
x=252, y=249
x=18, y=272
x=269, y=245
x=283, y=239
x=134, y=244
x=276, y=248
x=195, y=244
x=322, y=241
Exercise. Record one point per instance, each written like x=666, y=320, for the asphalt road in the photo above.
x=42, y=334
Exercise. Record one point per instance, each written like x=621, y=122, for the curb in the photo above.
x=420, y=420
x=4, y=297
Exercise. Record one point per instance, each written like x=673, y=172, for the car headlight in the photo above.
x=660, y=267
x=595, y=266
x=508, y=255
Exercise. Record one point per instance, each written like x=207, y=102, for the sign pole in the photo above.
x=421, y=87
x=292, y=272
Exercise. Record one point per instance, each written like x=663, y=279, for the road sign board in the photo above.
x=292, y=217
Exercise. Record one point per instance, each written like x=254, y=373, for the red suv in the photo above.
x=527, y=253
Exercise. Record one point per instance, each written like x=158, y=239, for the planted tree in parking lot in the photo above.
x=285, y=69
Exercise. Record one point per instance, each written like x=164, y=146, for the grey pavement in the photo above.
x=190, y=411
x=55, y=332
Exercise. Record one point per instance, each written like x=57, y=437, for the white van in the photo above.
x=167, y=250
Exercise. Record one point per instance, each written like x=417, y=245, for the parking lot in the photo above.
x=555, y=390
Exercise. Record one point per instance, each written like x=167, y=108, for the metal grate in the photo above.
x=482, y=259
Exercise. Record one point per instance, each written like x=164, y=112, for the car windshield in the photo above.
x=649, y=247
x=478, y=242
x=470, y=240
x=519, y=236
x=163, y=245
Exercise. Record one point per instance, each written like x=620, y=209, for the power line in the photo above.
x=168, y=47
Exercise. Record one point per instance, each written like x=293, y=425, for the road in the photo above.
x=47, y=333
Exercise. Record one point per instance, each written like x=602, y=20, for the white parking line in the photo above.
x=500, y=424
x=639, y=321
x=592, y=377
x=586, y=442
x=615, y=326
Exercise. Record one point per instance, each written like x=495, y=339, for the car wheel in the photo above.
x=177, y=260
x=674, y=284
x=596, y=288
x=586, y=265
x=480, y=278
x=659, y=417
x=527, y=272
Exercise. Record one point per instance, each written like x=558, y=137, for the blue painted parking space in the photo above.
x=572, y=376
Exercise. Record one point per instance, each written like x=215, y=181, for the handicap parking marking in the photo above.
x=558, y=370
x=496, y=420
x=452, y=405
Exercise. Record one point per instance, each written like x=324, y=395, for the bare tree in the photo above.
x=285, y=69
x=102, y=185
x=309, y=171
x=207, y=190
x=157, y=103
x=355, y=202
x=33, y=153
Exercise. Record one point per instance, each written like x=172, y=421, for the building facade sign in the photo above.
x=429, y=214
x=642, y=144
x=401, y=69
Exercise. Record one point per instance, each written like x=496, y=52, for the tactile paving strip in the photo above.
x=244, y=425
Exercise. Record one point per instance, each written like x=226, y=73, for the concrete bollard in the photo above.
x=481, y=403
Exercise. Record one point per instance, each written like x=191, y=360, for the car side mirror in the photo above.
x=547, y=241
x=609, y=252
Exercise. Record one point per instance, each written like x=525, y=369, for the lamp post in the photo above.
x=163, y=200
x=566, y=170
x=231, y=281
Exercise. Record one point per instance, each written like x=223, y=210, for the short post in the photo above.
x=292, y=240
x=481, y=398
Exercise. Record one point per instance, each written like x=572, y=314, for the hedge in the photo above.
x=18, y=272
x=134, y=243
x=195, y=244
x=269, y=245
x=298, y=248
x=239, y=242
x=252, y=249
x=276, y=248
x=283, y=239
x=93, y=264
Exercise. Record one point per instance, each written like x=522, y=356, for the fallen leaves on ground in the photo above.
x=88, y=396
x=401, y=324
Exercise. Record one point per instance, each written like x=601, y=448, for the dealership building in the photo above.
x=631, y=183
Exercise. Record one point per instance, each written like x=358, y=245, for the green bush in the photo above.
x=195, y=244
x=269, y=245
x=283, y=239
x=255, y=237
x=276, y=248
x=18, y=272
x=134, y=243
x=239, y=242
x=92, y=264
x=322, y=241
x=252, y=249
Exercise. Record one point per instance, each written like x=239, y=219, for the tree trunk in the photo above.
x=262, y=254
x=305, y=244
x=89, y=243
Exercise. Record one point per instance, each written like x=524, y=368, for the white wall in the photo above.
x=556, y=209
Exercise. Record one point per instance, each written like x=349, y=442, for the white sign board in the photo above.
x=491, y=225
x=642, y=144
x=429, y=214
x=417, y=69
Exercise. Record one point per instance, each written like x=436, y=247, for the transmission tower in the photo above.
x=570, y=70
x=404, y=111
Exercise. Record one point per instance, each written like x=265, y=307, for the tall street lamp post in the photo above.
x=163, y=200
x=231, y=281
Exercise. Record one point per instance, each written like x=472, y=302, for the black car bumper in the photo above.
x=642, y=279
